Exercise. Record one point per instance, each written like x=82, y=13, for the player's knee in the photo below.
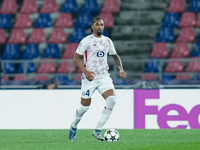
x=85, y=108
x=82, y=110
x=110, y=101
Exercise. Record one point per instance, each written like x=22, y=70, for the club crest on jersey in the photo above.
x=100, y=54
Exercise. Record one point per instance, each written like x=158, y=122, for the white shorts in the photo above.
x=89, y=87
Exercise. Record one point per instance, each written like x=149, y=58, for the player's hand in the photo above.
x=89, y=75
x=122, y=74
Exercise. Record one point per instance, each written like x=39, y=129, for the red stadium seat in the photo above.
x=49, y=6
x=9, y=7
x=149, y=76
x=2, y=36
x=65, y=68
x=23, y=21
x=17, y=36
x=70, y=50
x=110, y=6
x=29, y=7
x=78, y=77
x=176, y=6
x=193, y=65
x=58, y=36
x=46, y=67
x=186, y=35
x=182, y=76
x=5, y=78
x=181, y=50
x=159, y=50
x=64, y=20
x=20, y=78
x=41, y=78
x=108, y=20
x=174, y=67
x=37, y=36
x=188, y=19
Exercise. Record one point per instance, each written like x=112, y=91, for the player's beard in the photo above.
x=99, y=33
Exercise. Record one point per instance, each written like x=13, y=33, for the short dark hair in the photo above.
x=51, y=82
x=95, y=19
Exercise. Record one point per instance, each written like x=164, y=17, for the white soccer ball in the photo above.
x=111, y=135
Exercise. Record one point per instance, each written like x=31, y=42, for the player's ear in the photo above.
x=92, y=28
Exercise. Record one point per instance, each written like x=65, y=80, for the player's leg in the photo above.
x=85, y=103
x=107, y=91
x=87, y=89
x=110, y=102
x=110, y=99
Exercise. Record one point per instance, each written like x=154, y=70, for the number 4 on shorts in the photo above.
x=87, y=93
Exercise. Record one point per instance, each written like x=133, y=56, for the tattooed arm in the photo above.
x=118, y=63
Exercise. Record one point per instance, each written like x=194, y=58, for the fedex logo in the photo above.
x=141, y=110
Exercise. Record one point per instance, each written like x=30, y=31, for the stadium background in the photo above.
x=157, y=40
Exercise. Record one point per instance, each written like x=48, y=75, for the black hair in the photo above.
x=49, y=83
x=53, y=82
x=95, y=19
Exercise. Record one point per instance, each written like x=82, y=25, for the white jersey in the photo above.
x=95, y=51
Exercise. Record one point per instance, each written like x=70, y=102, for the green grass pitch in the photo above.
x=129, y=140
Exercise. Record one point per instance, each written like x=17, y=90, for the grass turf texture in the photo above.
x=129, y=140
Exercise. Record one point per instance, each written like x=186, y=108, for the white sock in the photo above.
x=110, y=103
x=79, y=114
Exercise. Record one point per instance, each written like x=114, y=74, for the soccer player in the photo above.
x=94, y=49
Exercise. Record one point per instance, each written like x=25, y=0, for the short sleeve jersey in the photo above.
x=95, y=51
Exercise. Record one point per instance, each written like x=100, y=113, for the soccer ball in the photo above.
x=111, y=135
